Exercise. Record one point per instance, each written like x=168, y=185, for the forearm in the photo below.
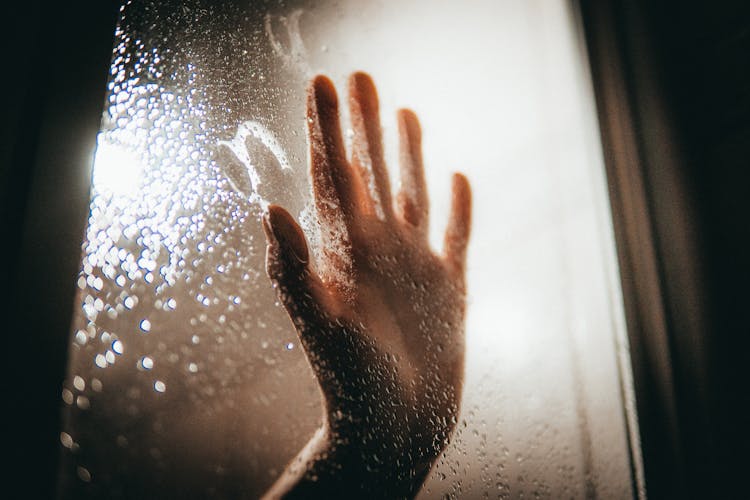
x=332, y=466
x=300, y=476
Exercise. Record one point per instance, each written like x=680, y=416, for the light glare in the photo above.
x=117, y=170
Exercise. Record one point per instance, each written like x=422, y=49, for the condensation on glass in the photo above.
x=186, y=378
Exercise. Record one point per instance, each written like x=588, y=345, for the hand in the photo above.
x=380, y=316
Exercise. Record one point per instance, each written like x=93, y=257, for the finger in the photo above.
x=412, y=197
x=287, y=264
x=459, y=224
x=309, y=304
x=367, y=147
x=334, y=185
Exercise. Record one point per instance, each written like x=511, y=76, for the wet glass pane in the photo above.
x=187, y=378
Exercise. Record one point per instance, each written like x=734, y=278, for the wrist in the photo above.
x=368, y=458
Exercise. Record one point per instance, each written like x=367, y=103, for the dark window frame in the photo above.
x=672, y=86
x=56, y=58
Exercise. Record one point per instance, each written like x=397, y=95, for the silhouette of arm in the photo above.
x=381, y=316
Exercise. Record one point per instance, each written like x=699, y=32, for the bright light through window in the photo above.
x=117, y=170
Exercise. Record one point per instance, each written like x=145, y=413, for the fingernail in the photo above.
x=284, y=231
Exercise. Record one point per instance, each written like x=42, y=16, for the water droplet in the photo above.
x=81, y=337
x=196, y=339
x=83, y=402
x=289, y=346
x=146, y=363
x=67, y=396
x=66, y=439
x=171, y=303
x=117, y=347
x=83, y=474
x=79, y=383
x=100, y=361
x=160, y=386
x=145, y=325
x=97, y=284
x=192, y=368
x=96, y=385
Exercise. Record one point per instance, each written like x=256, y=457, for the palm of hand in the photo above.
x=382, y=321
x=412, y=304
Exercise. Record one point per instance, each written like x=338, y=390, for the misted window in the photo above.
x=187, y=375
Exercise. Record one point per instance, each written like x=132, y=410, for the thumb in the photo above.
x=287, y=264
x=300, y=290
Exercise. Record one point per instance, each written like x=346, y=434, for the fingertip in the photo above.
x=462, y=194
x=360, y=76
x=409, y=124
x=461, y=207
x=281, y=226
x=321, y=96
x=363, y=101
x=322, y=87
x=362, y=88
x=461, y=182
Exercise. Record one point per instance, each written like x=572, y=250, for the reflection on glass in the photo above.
x=186, y=376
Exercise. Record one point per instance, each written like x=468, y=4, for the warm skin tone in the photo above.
x=381, y=320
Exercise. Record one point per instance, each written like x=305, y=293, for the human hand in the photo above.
x=380, y=317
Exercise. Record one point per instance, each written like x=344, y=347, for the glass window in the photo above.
x=186, y=375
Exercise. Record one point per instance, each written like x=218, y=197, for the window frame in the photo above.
x=59, y=59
